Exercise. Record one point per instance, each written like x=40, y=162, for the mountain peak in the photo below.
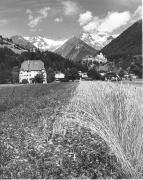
x=75, y=49
x=96, y=40
x=44, y=43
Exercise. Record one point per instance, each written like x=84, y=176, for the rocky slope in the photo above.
x=19, y=40
x=75, y=49
x=8, y=43
x=97, y=41
x=44, y=43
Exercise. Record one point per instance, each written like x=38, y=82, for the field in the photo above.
x=71, y=130
x=26, y=117
x=135, y=82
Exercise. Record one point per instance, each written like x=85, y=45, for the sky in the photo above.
x=62, y=19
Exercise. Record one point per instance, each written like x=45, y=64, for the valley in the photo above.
x=71, y=89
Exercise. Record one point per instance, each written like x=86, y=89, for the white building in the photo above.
x=59, y=76
x=100, y=58
x=83, y=75
x=30, y=68
x=88, y=58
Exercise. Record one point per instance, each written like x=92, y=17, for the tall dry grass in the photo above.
x=114, y=112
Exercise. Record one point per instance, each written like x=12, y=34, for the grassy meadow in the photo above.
x=27, y=114
x=71, y=130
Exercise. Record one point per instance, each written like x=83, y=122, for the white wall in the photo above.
x=59, y=76
x=30, y=75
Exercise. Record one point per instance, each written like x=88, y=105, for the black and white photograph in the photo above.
x=71, y=89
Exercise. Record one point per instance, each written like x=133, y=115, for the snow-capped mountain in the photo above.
x=44, y=43
x=97, y=41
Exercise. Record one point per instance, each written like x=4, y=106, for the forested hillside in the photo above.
x=10, y=63
x=125, y=46
x=19, y=40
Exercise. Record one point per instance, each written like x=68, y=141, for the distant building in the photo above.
x=82, y=75
x=33, y=49
x=107, y=67
x=30, y=68
x=88, y=58
x=59, y=76
x=103, y=68
x=100, y=58
x=133, y=76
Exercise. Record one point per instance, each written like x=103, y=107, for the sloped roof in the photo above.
x=32, y=65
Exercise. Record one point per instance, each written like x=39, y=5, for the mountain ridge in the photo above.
x=75, y=49
x=97, y=41
x=8, y=43
x=44, y=43
x=127, y=45
x=128, y=42
x=21, y=41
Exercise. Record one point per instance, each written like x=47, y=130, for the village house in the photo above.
x=101, y=59
x=103, y=67
x=88, y=58
x=83, y=75
x=30, y=68
x=59, y=76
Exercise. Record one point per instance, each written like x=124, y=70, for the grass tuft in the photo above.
x=114, y=112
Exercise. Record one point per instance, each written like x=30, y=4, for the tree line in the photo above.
x=10, y=63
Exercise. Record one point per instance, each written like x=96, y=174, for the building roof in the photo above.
x=32, y=65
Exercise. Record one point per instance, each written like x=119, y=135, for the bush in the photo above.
x=5, y=76
x=92, y=73
x=39, y=78
x=50, y=75
x=24, y=81
x=71, y=74
x=121, y=72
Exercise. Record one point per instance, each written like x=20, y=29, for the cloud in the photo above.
x=3, y=22
x=127, y=3
x=92, y=25
x=35, y=30
x=108, y=24
x=44, y=12
x=70, y=8
x=113, y=21
x=58, y=20
x=84, y=18
x=34, y=21
x=137, y=14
